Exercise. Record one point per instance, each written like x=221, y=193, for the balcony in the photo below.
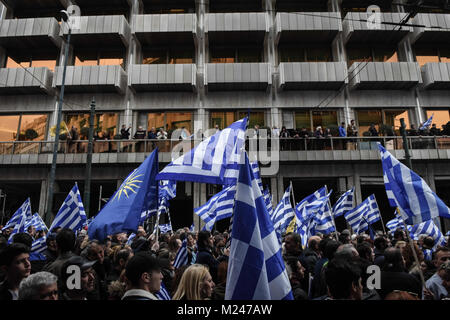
x=311, y=27
x=237, y=76
x=165, y=29
x=92, y=79
x=25, y=81
x=103, y=31
x=39, y=36
x=163, y=77
x=384, y=75
x=355, y=31
x=312, y=75
x=436, y=76
x=225, y=28
x=33, y=8
x=424, y=35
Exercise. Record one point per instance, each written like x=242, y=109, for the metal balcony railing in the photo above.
x=284, y=144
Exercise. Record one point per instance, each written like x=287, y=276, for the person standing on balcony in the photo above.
x=343, y=134
x=74, y=137
x=284, y=134
x=152, y=136
x=373, y=131
x=125, y=133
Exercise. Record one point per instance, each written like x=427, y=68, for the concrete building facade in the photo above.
x=195, y=64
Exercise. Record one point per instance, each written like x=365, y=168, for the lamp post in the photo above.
x=87, y=185
x=48, y=214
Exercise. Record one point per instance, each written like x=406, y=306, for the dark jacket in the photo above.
x=5, y=295
x=218, y=292
x=309, y=259
x=140, y=134
x=391, y=280
x=204, y=256
x=56, y=266
x=125, y=134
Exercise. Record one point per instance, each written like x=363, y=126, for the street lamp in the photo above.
x=65, y=17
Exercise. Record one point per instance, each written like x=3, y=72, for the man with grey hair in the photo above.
x=439, y=283
x=346, y=251
x=39, y=286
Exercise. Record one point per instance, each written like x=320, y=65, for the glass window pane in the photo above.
x=289, y=54
x=249, y=55
x=79, y=62
x=256, y=118
x=50, y=64
x=385, y=55
x=156, y=120
x=303, y=120
x=106, y=123
x=425, y=55
x=10, y=63
x=392, y=118
x=178, y=56
x=111, y=62
x=177, y=120
x=33, y=127
x=154, y=57
x=319, y=54
x=222, y=119
x=8, y=128
x=325, y=119
x=440, y=117
x=366, y=118
x=445, y=54
x=222, y=55
x=358, y=54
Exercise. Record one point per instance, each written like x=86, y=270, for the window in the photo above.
x=232, y=55
x=29, y=127
x=325, y=119
x=256, y=118
x=429, y=54
x=8, y=127
x=99, y=59
x=379, y=117
x=372, y=54
x=440, y=117
x=171, y=56
x=50, y=64
x=303, y=119
x=222, y=119
x=311, y=53
x=103, y=122
x=170, y=121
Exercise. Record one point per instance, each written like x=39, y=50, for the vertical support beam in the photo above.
x=274, y=190
x=43, y=198
x=357, y=184
x=280, y=187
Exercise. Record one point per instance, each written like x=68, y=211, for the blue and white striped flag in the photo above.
x=39, y=245
x=283, y=213
x=428, y=228
x=215, y=160
x=192, y=228
x=19, y=226
x=427, y=123
x=256, y=269
x=17, y=216
x=71, y=214
x=396, y=223
x=130, y=239
x=37, y=222
x=344, y=204
x=162, y=294
x=268, y=200
x=257, y=174
x=406, y=190
x=219, y=207
x=301, y=214
x=181, y=259
x=363, y=215
x=167, y=189
x=165, y=228
x=323, y=219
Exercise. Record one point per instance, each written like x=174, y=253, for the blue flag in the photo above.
x=17, y=216
x=138, y=193
x=256, y=269
x=406, y=190
x=427, y=123
x=71, y=215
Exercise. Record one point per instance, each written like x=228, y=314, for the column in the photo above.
x=43, y=198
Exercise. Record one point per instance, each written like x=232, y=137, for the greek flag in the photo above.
x=256, y=269
x=36, y=222
x=181, y=259
x=427, y=123
x=428, y=228
x=283, y=213
x=323, y=219
x=19, y=227
x=167, y=189
x=215, y=160
x=303, y=215
x=268, y=201
x=365, y=214
x=394, y=224
x=257, y=174
x=71, y=214
x=192, y=228
x=130, y=239
x=17, y=216
x=39, y=245
x=406, y=190
x=344, y=204
x=165, y=228
x=162, y=294
x=219, y=207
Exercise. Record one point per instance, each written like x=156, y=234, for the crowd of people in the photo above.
x=142, y=268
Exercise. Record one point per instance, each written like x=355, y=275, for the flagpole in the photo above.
x=332, y=216
x=414, y=254
x=381, y=217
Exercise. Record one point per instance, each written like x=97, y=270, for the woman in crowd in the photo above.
x=196, y=284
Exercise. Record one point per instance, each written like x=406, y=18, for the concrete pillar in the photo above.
x=43, y=198
x=274, y=190
x=280, y=187
x=356, y=181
